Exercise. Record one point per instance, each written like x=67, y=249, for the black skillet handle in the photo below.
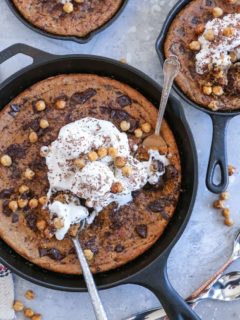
x=156, y=280
x=218, y=155
x=36, y=54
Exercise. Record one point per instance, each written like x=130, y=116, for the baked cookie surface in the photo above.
x=82, y=18
x=205, y=36
x=117, y=235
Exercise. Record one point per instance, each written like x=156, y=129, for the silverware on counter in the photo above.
x=218, y=287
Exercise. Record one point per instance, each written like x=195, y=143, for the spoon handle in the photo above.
x=96, y=302
x=171, y=68
x=197, y=294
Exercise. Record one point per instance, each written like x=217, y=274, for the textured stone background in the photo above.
x=206, y=243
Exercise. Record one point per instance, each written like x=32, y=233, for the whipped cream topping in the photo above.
x=94, y=181
x=217, y=51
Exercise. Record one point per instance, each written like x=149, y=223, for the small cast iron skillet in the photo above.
x=149, y=270
x=81, y=40
x=220, y=119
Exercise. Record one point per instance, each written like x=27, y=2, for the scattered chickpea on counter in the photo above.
x=220, y=203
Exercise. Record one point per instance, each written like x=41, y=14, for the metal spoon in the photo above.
x=159, y=313
x=88, y=277
x=225, y=288
x=171, y=68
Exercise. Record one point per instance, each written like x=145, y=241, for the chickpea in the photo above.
x=41, y=225
x=195, y=45
x=22, y=203
x=18, y=306
x=228, y=32
x=33, y=203
x=29, y=294
x=6, y=160
x=226, y=213
x=36, y=316
x=217, y=90
x=28, y=312
x=44, y=123
x=88, y=254
x=218, y=204
x=92, y=156
x=60, y=104
x=102, y=152
x=228, y=222
x=80, y=163
x=231, y=170
x=199, y=29
x=217, y=12
x=42, y=200
x=127, y=171
x=13, y=205
x=58, y=223
x=33, y=137
x=138, y=133
x=146, y=127
x=209, y=35
x=116, y=187
x=125, y=125
x=68, y=7
x=120, y=162
x=207, y=90
x=224, y=195
x=29, y=174
x=112, y=152
x=213, y=105
x=23, y=188
x=40, y=105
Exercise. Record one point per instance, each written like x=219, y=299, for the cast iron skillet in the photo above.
x=220, y=119
x=59, y=37
x=149, y=270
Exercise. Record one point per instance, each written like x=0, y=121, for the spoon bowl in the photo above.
x=171, y=68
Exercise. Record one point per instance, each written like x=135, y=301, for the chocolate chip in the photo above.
x=82, y=97
x=33, y=124
x=31, y=221
x=170, y=172
x=142, y=230
x=15, y=172
x=6, y=193
x=72, y=251
x=158, y=165
x=15, y=218
x=209, y=3
x=52, y=253
x=55, y=254
x=135, y=193
x=91, y=244
x=119, y=115
x=42, y=252
x=196, y=20
x=16, y=150
x=158, y=206
x=124, y=101
x=6, y=211
x=14, y=109
x=119, y=248
x=38, y=163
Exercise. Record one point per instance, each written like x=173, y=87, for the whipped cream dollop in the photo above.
x=93, y=182
x=216, y=52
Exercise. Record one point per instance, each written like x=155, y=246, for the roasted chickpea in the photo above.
x=6, y=160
